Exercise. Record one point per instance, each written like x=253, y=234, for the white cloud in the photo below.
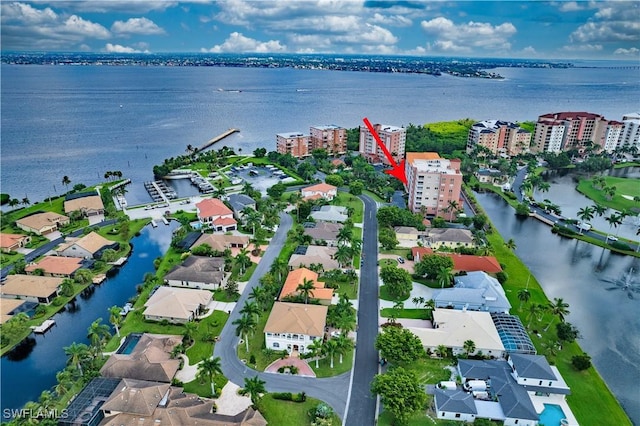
x=530, y=50
x=633, y=51
x=136, y=26
x=123, y=6
x=582, y=48
x=76, y=25
x=236, y=42
x=393, y=20
x=26, y=14
x=117, y=48
x=467, y=37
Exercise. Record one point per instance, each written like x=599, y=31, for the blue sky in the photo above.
x=515, y=29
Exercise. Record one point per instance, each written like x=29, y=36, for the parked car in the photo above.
x=612, y=238
x=400, y=260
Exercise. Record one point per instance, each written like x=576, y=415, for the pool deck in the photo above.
x=539, y=401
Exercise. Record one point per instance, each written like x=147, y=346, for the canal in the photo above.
x=604, y=313
x=31, y=368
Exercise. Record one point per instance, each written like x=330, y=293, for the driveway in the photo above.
x=303, y=367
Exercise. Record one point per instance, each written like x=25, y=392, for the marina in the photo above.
x=159, y=191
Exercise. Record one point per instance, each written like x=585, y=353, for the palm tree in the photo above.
x=77, y=352
x=444, y=276
x=65, y=382
x=316, y=349
x=441, y=351
x=585, y=214
x=14, y=202
x=251, y=308
x=343, y=255
x=295, y=199
x=430, y=305
x=26, y=201
x=66, y=181
x=599, y=209
x=344, y=235
x=469, y=346
x=244, y=325
x=207, y=371
x=558, y=308
x=279, y=267
x=243, y=260
x=115, y=318
x=523, y=296
x=254, y=387
x=46, y=401
x=511, y=244
x=98, y=333
x=343, y=345
x=330, y=349
x=259, y=294
x=614, y=220
x=190, y=329
x=417, y=301
x=306, y=289
x=543, y=186
x=534, y=310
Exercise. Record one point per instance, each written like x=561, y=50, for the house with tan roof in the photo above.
x=305, y=256
x=449, y=237
x=144, y=403
x=42, y=223
x=221, y=242
x=214, y=214
x=199, y=272
x=90, y=246
x=12, y=242
x=452, y=328
x=88, y=203
x=55, y=266
x=8, y=308
x=297, y=277
x=294, y=326
x=407, y=235
x=321, y=190
x=323, y=231
x=176, y=305
x=31, y=288
x=150, y=359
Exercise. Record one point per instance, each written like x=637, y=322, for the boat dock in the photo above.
x=153, y=223
x=41, y=329
x=218, y=138
x=159, y=191
x=164, y=219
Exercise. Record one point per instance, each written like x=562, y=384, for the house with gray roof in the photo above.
x=455, y=405
x=199, y=272
x=476, y=291
x=239, y=202
x=329, y=213
x=449, y=237
x=535, y=374
x=323, y=231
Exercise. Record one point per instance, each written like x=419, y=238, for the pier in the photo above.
x=159, y=191
x=218, y=138
x=41, y=329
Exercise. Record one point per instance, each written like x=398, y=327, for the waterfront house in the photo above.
x=304, y=256
x=88, y=203
x=140, y=402
x=329, y=214
x=31, y=288
x=221, y=242
x=462, y=262
x=294, y=326
x=297, y=277
x=12, y=242
x=449, y=237
x=214, y=214
x=176, y=305
x=323, y=232
x=10, y=307
x=239, y=202
x=90, y=246
x=319, y=191
x=452, y=328
x=536, y=375
x=150, y=359
x=42, y=223
x=56, y=266
x=199, y=272
x=476, y=291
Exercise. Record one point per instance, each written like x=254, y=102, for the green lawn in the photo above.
x=591, y=400
x=256, y=346
x=624, y=186
x=404, y=252
x=347, y=200
x=342, y=287
x=209, y=327
x=374, y=196
x=406, y=313
x=288, y=413
x=357, y=233
x=204, y=389
x=385, y=295
x=324, y=365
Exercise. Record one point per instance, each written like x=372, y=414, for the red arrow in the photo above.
x=397, y=171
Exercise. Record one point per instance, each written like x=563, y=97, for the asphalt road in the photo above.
x=362, y=404
x=333, y=390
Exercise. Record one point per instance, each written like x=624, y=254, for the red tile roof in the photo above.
x=57, y=265
x=212, y=207
x=9, y=240
x=464, y=262
x=224, y=221
x=321, y=187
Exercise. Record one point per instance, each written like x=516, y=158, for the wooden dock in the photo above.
x=218, y=138
x=41, y=329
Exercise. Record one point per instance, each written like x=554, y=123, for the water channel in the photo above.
x=574, y=270
x=32, y=367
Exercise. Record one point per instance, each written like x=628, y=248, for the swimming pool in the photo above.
x=551, y=415
x=130, y=342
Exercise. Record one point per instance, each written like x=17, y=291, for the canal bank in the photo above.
x=31, y=367
x=576, y=271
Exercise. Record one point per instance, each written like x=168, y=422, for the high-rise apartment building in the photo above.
x=612, y=134
x=433, y=184
x=500, y=137
x=563, y=131
x=630, y=135
x=331, y=138
x=393, y=138
x=294, y=143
